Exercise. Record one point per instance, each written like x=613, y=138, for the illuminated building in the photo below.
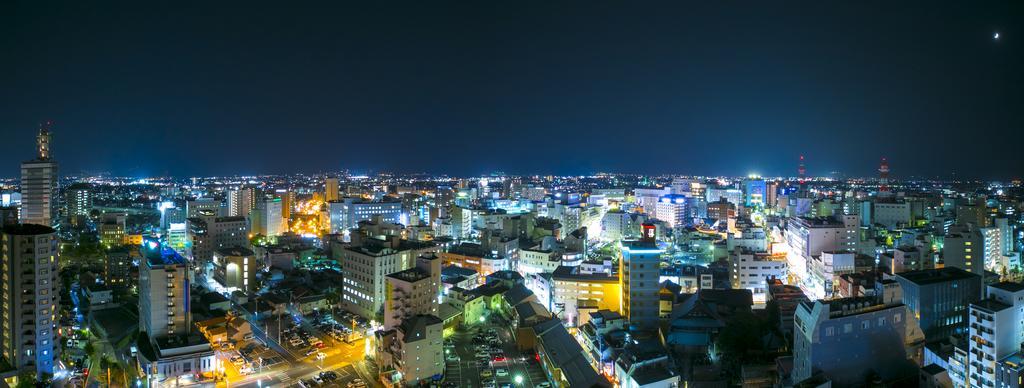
x=28, y=330
x=648, y=199
x=577, y=292
x=202, y=206
x=235, y=268
x=331, y=192
x=996, y=330
x=751, y=270
x=472, y=256
x=266, y=219
x=639, y=270
x=241, y=201
x=366, y=261
x=166, y=346
x=415, y=291
x=754, y=192
x=809, y=237
x=39, y=184
x=163, y=291
x=963, y=247
x=112, y=229
x=674, y=209
x=179, y=240
x=79, y=202
x=346, y=213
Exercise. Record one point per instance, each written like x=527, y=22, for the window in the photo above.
x=881, y=321
x=897, y=318
x=830, y=331
x=865, y=324
x=848, y=328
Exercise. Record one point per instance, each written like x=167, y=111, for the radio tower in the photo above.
x=802, y=172
x=883, y=176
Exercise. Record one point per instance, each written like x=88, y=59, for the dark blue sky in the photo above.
x=711, y=87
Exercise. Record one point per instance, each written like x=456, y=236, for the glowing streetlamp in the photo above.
x=519, y=379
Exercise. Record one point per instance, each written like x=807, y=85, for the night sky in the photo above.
x=712, y=87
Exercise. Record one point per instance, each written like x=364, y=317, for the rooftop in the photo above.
x=1008, y=286
x=27, y=229
x=938, y=275
x=410, y=275
x=991, y=304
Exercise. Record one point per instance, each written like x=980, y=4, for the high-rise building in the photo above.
x=331, y=189
x=995, y=332
x=39, y=184
x=366, y=261
x=203, y=207
x=266, y=219
x=939, y=298
x=78, y=198
x=241, y=201
x=163, y=291
x=639, y=270
x=28, y=330
x=674, y=209
x=414, y=291
x=963, y=247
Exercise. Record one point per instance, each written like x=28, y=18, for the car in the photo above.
x=501, y=372
x=505, y=385
x=488, y=383
x=318, y=380
x=483, y=355
x=486, y=373
x=329, y=375
x=544, y=384
x=307, y=383
x=321, y=355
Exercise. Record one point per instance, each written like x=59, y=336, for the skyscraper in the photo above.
x=39, y=183
x=28, y=329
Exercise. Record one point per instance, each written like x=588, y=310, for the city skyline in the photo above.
x=694, y=89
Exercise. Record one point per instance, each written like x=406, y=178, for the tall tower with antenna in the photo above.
x=883, y=176
x=39, y=183
x=802, y=176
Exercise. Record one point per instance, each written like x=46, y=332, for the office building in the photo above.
x=28, y=331
x=639, y=270
x=940, y=298
x=39, y=184
x=112, y=229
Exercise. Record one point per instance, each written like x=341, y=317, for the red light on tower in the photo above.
x=883, y=175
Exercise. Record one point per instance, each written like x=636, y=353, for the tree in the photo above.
x=89, y=349
x=26, y=379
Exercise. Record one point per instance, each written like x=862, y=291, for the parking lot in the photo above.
x=486, y=356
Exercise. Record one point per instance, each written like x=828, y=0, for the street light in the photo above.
x=519, y=379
